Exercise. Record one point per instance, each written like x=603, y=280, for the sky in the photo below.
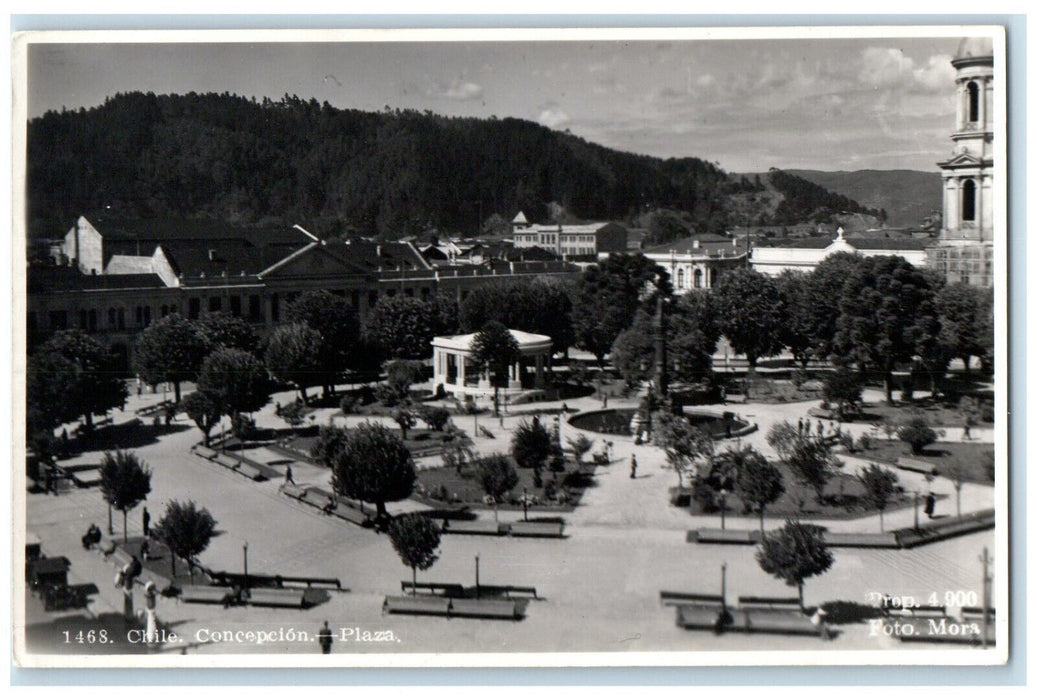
x=749, y=105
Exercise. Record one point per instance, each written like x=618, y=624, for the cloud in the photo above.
x=705, y=80
x=888, y=68
x=553, y=118
x=457, y=90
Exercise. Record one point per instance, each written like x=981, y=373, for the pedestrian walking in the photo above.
x=800, y=426
x=501, y=422
x=930, y=505
x=288, y=478
x=324, y=638
x=633, y=466
x=605, y=401
x=820, y=428
x=145, y=519
x=145, y=550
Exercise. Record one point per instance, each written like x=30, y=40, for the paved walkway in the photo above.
x=599, y=586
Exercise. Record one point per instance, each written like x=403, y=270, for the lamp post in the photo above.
x=723, y=586
x=245, y=550
x=723, y=509
x=916, y=509
x=477, y=592
x=525, y=504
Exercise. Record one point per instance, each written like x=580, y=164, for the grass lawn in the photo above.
x=419, y=441
x=938, y=413
x=945, y=456
x=844, y=499
x=465, y=489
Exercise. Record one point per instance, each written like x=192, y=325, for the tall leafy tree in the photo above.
x=48, y=377
x=293, y=354
x=795, y=553
x=403, y=327
x=204, y=410
x=170, y=350
x=415, y=537
x=965, y=313
x=495, y=349
x=759, y=483
x=333, y=317
x=125, y=482
x=531, y=447
x=825, y=297
x=797, y=314
x=886, y=314
x=606, y=298
x=684, y=445
x=224, y=330
x=187, y=530
x=368, y=463
x=749, y=313
x=96, y=387
x=536, y=306
x=813, y=463
x=497, y=476
x=235, y=380
x=880, y=485
x=842, y=387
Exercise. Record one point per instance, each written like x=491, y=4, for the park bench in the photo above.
x=696, y=617
x=914, y=465
x=925, y=611
x=416, y=605
x=83, y=476
x=315, y=498
x=226, y=460
x=750, y=602
x=307, y=582
x=293, y=491
x=535, y=529
x=219, y=595
x=473, y=527
x=353, y=515
x=250, y=471
x=718, y=536
x=776, y=622
x=484, y=607
x=508, y=591
x=205, y=452
x=862, y=539
x=974, y=614
x=691, y=599
x=277, y=597
x=442, y=589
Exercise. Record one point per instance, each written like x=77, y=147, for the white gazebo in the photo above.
x=453, y=370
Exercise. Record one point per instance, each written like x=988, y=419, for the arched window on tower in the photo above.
x=968, y=200
x=973, y=92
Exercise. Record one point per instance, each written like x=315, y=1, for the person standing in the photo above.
x=324, y=638
x=633, y=466
x=145, y=518
x=288, y=478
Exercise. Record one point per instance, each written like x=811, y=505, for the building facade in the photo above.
x=570, y=240
x=699, y=261
x=804, y=254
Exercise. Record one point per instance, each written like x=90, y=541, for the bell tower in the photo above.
x=968, y=173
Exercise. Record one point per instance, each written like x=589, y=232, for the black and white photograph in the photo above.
x=511, y=347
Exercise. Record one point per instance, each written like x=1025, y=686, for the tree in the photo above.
x=811, y=460
x=531, y=447
x=170, y=350
x=782, y=437
x=965, y=315
x=293, y=355
x=797, y=314
x=203, y=410
x=917, y=433
x=606, y=298
x=690, y=337
x=749, y=313
x=683, y=444
x=415, y=537
x=824, y=298
x=222, y=330
x=49, y=374
x=794, y=553
x=404, y=418
x=368, y=463
x=235, y=380
x=435, y=417
x=497, y=476
x=880, y=485
x=403, y=327
x=186, y=529
x=125, y=482
x=842, y=387
x=758, y=482
x=95, y=387
x=886, y=315
x=494, y=349
x=536, y=306
x=401, y=374
x=334, y=319
x=293, y=413
x=580, y=445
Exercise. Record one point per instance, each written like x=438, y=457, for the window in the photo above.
x=275, y=308
x=111, y=318
x=214, y=304
x=372, y=299
x=122, y=319
x=973, y=96
x=968, y=200
x=82, y=319
x=255, y=309
x=680, y=278
x=194, y=308
x=92, y=320
x=698, y=278
x=235, y=306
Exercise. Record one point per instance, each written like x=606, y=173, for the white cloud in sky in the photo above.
x=457, y=90
x=553, y=118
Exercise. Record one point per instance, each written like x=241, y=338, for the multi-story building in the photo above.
x=697, y=262
x=804, y=254
x=570, y=240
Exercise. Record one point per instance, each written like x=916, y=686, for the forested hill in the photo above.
x=391, y=173
x=909, y=196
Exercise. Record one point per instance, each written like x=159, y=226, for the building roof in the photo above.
x=520, y=218
x=51, y=278
x=711, y=245
x=975, y=47
x=373, y=256
x=527, y=342
x=860, y=243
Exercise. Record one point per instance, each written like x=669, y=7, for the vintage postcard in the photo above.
x=511, y=347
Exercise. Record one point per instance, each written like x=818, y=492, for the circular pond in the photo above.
x=616, y=421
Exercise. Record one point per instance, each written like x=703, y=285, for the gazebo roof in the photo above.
x=527, y=342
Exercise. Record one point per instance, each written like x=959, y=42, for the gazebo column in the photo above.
x=460, y=369
x=539, y=381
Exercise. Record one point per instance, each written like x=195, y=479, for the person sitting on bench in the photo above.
x=92, y=536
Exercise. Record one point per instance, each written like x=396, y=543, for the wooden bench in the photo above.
x=775, y=622
x=484, y=607
x=925, y=611
x=508, y=591
x=277, y=597
x=416, y=605
x=914, y=465
x=315, y=498
x=250, y=471
x=535, y=529
x=761, y=603
x=717, y=536
x=691, y=599
x=353, y=515
x=883, y=540
x=696, y=617
x=225, y=460
x=293, y=491
x=443, y=589
x=473, y=527
x=220, y=595
x=205, y=452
